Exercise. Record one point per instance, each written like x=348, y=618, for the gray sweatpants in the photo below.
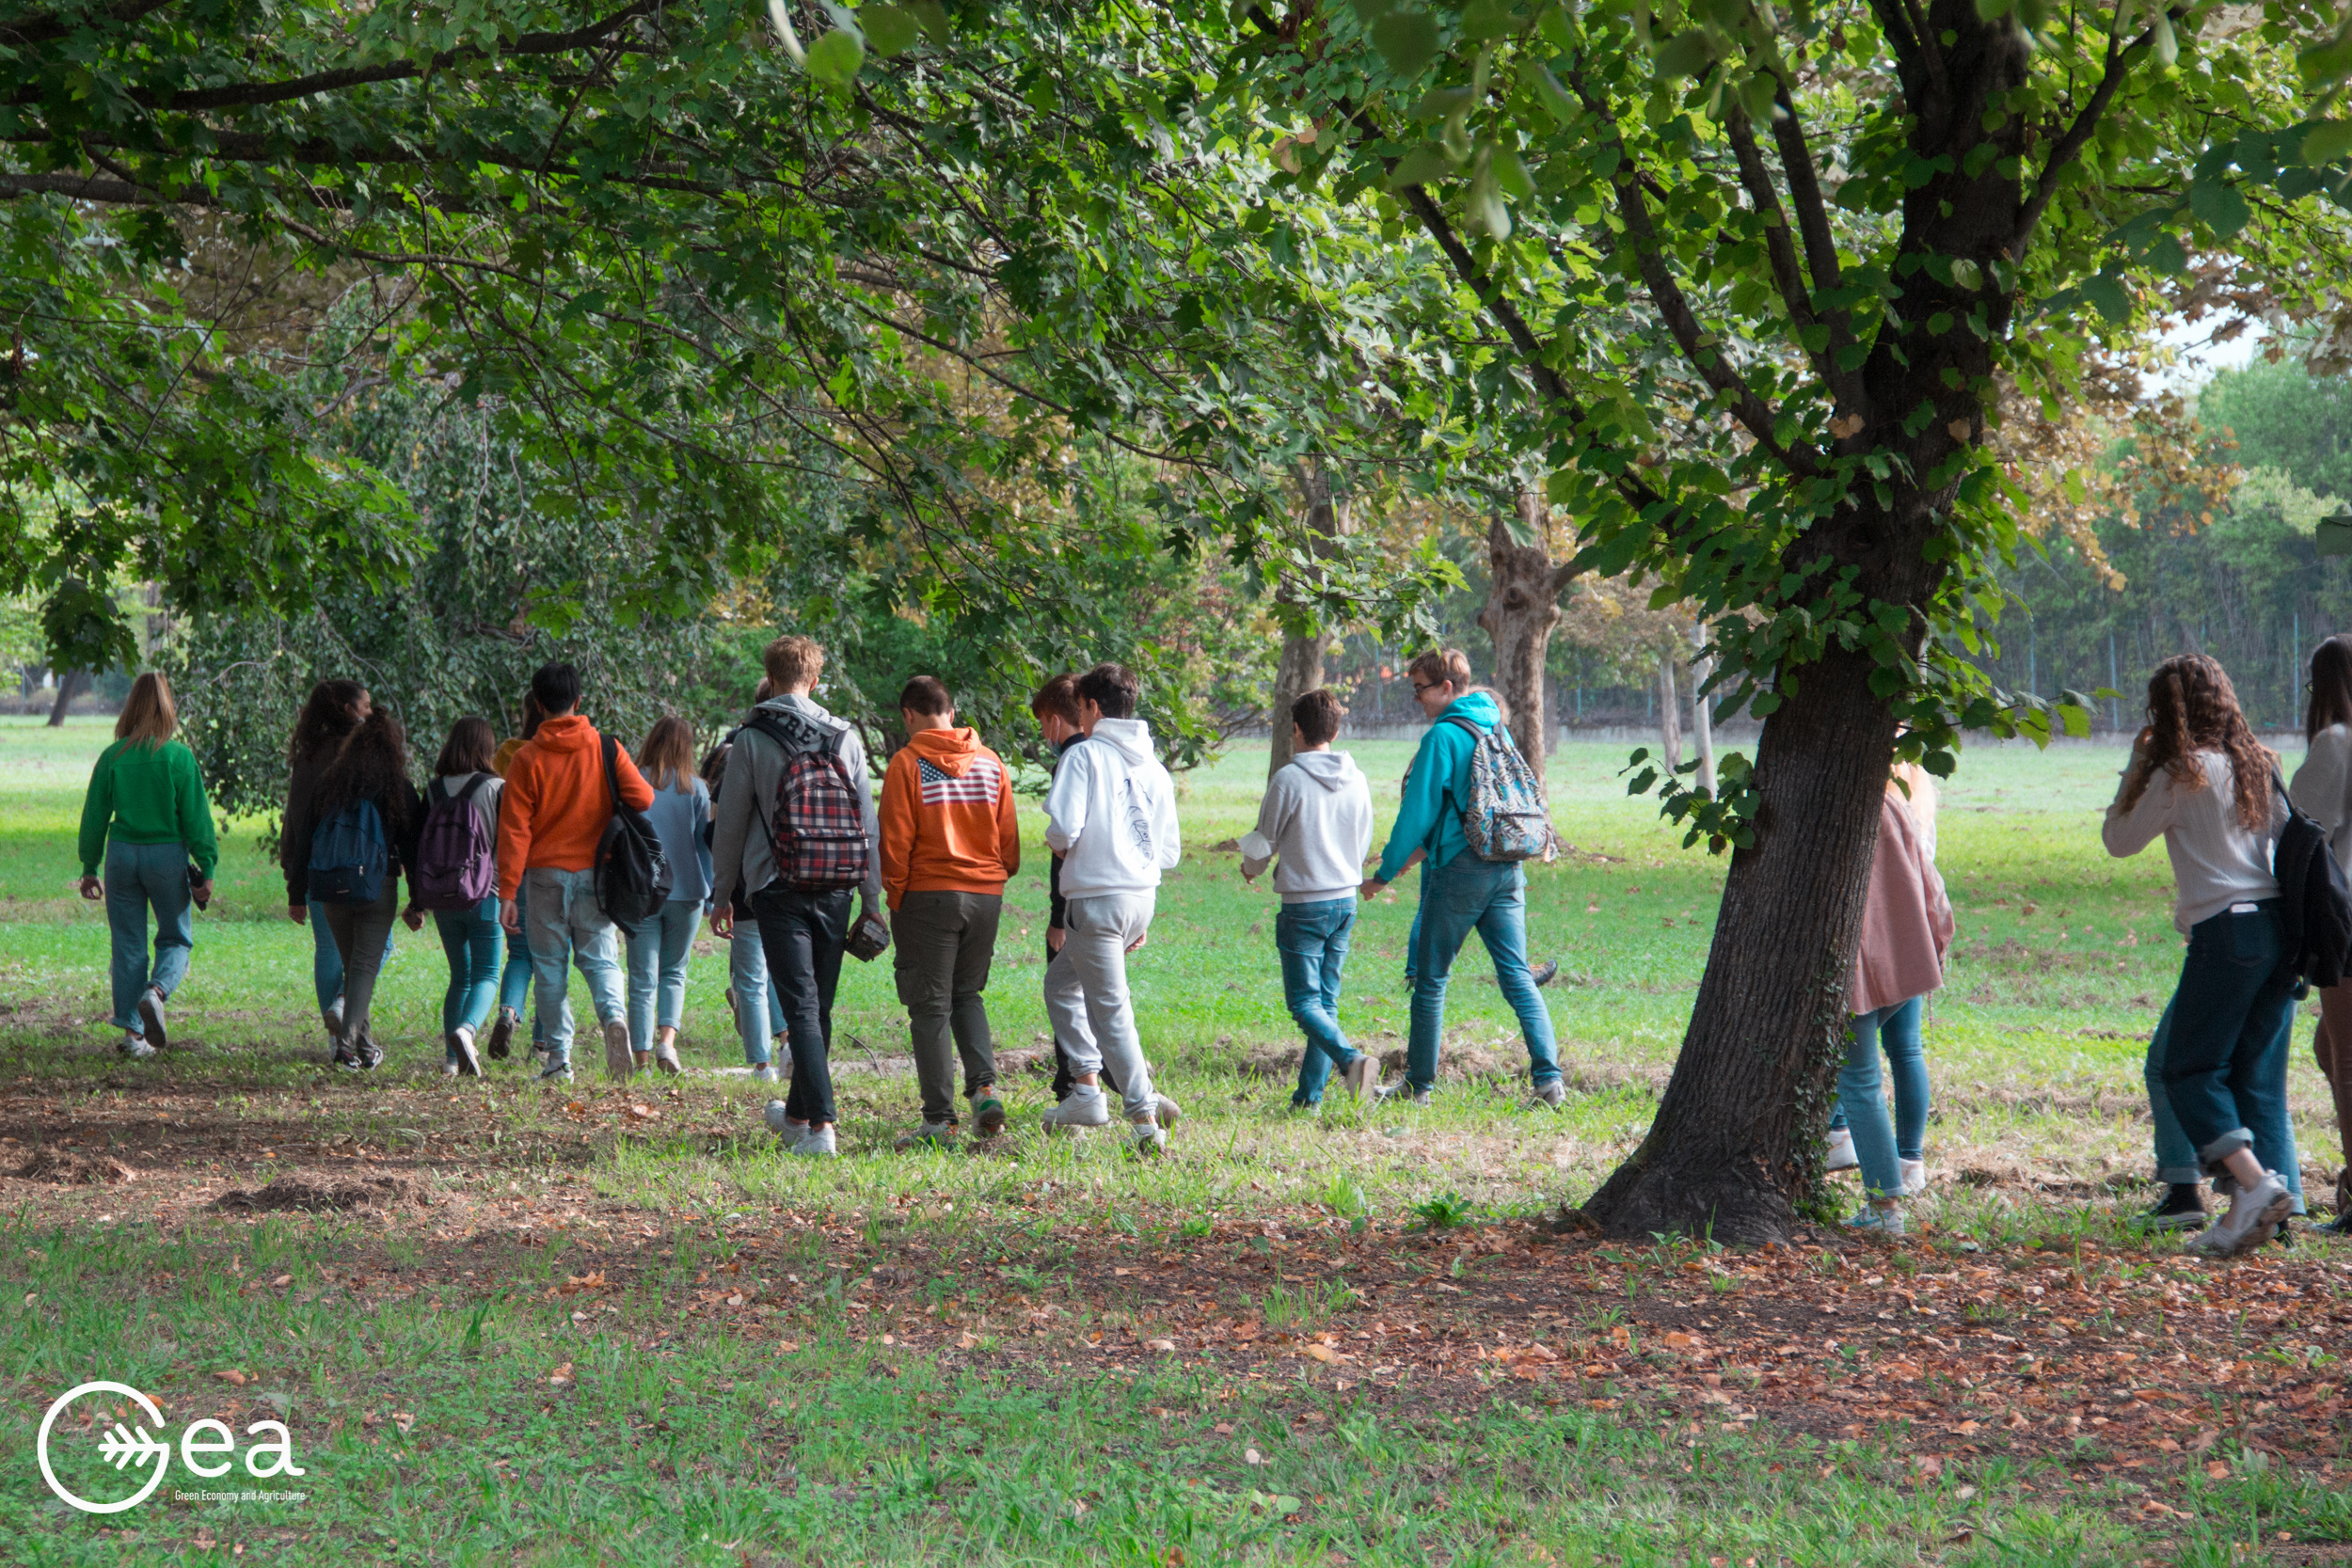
x=1100, y=931
x=362, y=934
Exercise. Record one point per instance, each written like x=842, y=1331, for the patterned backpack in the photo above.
x=1505, y=818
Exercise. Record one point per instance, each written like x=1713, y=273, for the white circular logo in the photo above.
x=122, y=1448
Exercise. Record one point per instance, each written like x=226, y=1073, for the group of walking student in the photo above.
x=556, y=849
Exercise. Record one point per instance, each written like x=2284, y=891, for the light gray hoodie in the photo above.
x=739, y=847
x=1316, y=817
x=1111, y=814
x=2322, y=788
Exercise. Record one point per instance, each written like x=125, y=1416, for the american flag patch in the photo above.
x=976, y=786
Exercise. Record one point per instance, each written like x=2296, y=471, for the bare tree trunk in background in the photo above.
x=1522, y=607
x=1300, y=669
x=71, y=683
x=1702, y=724
x=1669, y=712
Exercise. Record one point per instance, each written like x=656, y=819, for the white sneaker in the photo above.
x=1361, y=1076
x=1150, y=1138
x=784, y=1126
x=1086, y=1107
x=468, y=1061
x=1876, y=1221
x=764, y=1072
x=665, y=1057
x=1402, y=1089
x=817, y=1143
x=2253, y=1217
x=1842, y=1154
x=617, y=1058
x=1552, y=1092
x=1915, y=1178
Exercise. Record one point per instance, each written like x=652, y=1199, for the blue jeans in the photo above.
x=515, y=979
x=565, y=927
x=1464, y=894
x=1862, y=1105
x=760, y=1007
x=2218, y=1068
x=470, y=938
x=327, y=961
x=1313, y=940
x=656, y=968
x=140, y=876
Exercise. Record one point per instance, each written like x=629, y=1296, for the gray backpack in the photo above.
x=1505, y=818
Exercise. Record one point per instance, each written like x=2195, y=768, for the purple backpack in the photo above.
x=457, y=862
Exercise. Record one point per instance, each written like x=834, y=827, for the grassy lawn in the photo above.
x=608, y=1324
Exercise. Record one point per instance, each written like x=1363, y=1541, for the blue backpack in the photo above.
x=1505, y=818
x=348, y=854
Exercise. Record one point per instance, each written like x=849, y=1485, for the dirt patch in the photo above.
x=312, y=1195
x=67, y=1168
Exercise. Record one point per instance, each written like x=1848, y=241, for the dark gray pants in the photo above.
x=941, y=944
x=362, y=933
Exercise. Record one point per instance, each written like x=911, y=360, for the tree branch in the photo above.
x=2069, y=146
x=1781, y=252
x=49, y=27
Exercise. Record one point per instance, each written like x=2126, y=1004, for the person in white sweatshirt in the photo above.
x=1316, y=820
x=2217, y=1067
x=1111, y=815
x=2322, y=788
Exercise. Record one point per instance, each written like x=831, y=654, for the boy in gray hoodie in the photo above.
x=1316, y=820
x=1111, y=814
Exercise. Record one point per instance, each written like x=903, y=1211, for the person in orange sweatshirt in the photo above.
x=551, y=817
x=950, y=843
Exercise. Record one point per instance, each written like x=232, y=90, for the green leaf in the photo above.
x=934, y=16
x=2218, y=207
x=2167, y=46
x=1421, y=166
x=890, y=29
x=1537, y=78
x=1512, y=175
x=1685, y=53
x=2327, y=141
x=1408, y=40
x=836, y=58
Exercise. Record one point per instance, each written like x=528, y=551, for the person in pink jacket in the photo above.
x=1906, y=931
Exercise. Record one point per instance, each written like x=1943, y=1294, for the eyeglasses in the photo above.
x=1420, y=687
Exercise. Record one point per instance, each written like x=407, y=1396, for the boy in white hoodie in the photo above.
x=1316, y=820
x=1111, y=814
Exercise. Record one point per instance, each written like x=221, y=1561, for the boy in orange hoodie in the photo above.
x=551, y=817
x=950, y=843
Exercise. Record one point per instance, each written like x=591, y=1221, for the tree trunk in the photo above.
x=1522, y=607
x=1298, y=672
x=1702, y=722
x=70, y=684
x=1731, y=1143
x=1304, y=640
x=1669, y=713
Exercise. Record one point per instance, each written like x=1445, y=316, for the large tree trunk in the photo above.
x=1522, y=607
x=1298, y=672
x=70, y=686
x=1732, y=1144
x=1304, y=640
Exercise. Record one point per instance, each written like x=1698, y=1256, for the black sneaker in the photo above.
x=500, y=1031
x=371, y=1056
x=2183, y=1209
x=346, y=1057
x=152, y=1015
x=2339, y=1226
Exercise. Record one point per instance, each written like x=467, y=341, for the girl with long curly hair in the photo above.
x=2322, y=788
x=331, y=712
x=368, y=773
x=2217, y=1067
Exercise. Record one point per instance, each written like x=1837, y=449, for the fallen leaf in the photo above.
x=561, y=1375
x=237, y=1378
x=403, y=1420
x=967, y=1339
x=2218, y=1468
x=1321, y=1353
x=283, y=1279
x=1165, y=1346
x=1251, y=1456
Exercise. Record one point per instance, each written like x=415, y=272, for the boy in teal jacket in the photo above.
x=1460, y=892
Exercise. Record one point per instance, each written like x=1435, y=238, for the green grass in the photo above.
x=413, y=1360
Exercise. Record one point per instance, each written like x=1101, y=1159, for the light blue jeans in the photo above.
x=1861, y=1103
x=1313, y=940
x=470, y=938
x=759, y=1008
x=1462, y=895
x=563, y=924
x=140, y=876
x=656, y=969
x=515, y=979
x=327, y=961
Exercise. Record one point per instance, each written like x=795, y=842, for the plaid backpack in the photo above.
x=815, y=831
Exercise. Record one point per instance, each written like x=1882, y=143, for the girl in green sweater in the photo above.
x=146, y=815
